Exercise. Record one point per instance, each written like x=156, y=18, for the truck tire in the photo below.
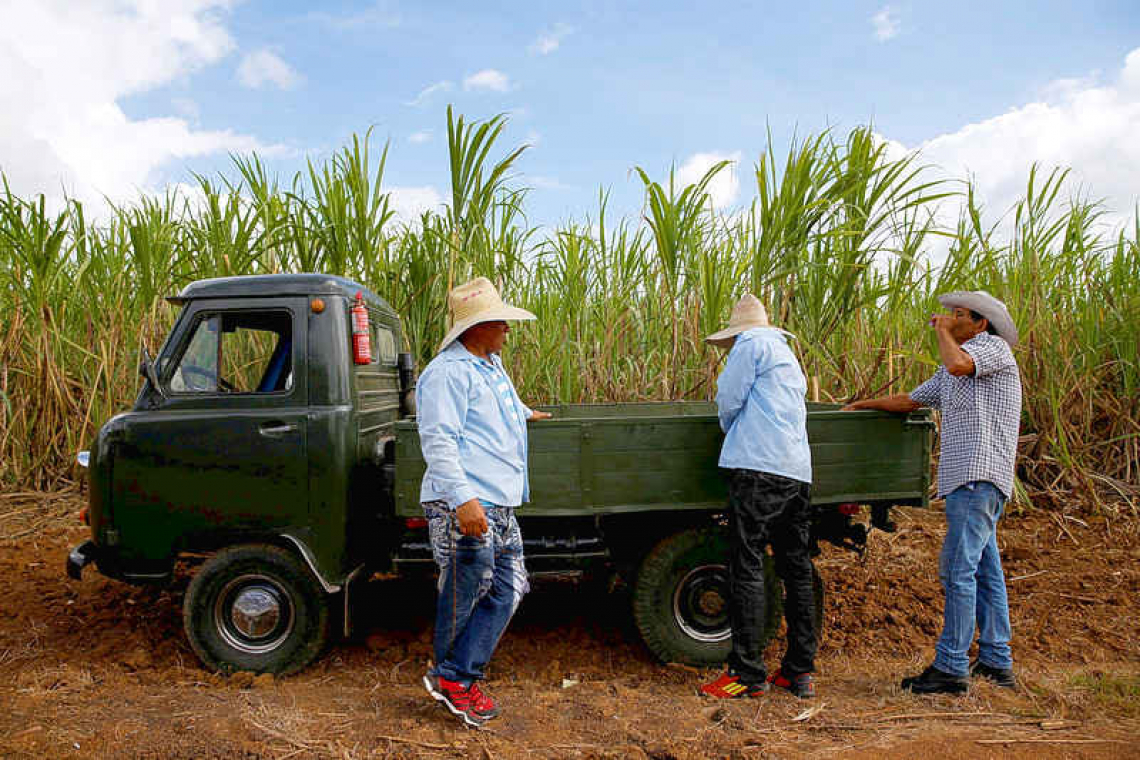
x=257, y=608
x=680, y=599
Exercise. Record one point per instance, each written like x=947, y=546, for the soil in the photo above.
x=100, y=669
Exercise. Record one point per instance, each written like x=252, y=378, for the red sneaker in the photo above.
x=801, y=684
x=481, y=703
x=468, y=703
x=729, y=686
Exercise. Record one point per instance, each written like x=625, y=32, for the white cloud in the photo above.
x=887, y=24
x=543, y=182
x=724, y=187
x=427, y=92
x=61, y=126
x=1086, y=124
x=379, y=14
x=487, y=79
x=417, y=138
x=265, y=67
x=550, y=40
x=410, y=202
x=186, y=107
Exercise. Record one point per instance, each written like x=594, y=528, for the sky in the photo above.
x=107, y=99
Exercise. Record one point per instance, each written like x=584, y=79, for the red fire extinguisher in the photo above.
x=361, y=345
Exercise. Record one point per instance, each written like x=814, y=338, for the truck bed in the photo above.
x=632, y=457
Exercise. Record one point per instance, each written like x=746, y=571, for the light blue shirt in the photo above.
x=472, y=431
x=760, y=400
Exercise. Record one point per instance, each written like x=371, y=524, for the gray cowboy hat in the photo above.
x=989, y=307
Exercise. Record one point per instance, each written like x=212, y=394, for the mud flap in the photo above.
x=79, y=557
x=349, y=586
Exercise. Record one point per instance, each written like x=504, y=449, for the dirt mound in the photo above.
x=100, y=669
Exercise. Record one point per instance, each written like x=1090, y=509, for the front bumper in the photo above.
x=80, y=557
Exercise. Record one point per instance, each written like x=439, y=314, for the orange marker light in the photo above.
x=317, y=305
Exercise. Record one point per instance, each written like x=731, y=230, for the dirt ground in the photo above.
x=98, y=669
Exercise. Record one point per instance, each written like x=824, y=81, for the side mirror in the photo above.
x=146, y=369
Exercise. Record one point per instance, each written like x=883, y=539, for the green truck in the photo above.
x=268, y=453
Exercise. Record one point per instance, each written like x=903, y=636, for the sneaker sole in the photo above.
x=440, y=697
x=940, y=690
x=791, y=689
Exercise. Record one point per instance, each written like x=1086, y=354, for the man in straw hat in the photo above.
x=978, y=390
x=760, y=400
x=472, y=428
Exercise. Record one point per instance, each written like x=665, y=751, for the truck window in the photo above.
x=385, y=344
x=237, y=352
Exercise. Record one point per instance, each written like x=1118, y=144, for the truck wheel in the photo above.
x=256, y=608
x=680, y=600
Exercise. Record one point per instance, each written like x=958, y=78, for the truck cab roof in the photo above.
x=273, y=285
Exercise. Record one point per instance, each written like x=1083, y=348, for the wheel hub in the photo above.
x=700, y=606
x=711, y=603
x=256, y=612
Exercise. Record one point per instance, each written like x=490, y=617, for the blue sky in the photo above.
x=140, y=94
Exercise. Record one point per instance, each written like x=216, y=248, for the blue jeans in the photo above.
x=972, y=580
x=481, y=582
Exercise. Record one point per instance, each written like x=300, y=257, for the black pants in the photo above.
x=763, y=509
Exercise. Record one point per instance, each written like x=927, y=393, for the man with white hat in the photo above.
x=472, y=428
x=978, y=389
x=760, y=400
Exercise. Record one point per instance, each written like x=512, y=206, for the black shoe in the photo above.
x=934, y=681
x=1000, y=676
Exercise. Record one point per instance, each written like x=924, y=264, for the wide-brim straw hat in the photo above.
x=476, y=302
x=989, y=307
x=747, y=314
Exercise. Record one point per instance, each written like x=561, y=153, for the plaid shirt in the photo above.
x=981, y=414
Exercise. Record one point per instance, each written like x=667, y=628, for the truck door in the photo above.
x=226, y=448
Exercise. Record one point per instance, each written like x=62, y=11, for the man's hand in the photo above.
x=537, y=415
x=942, y=322
x=472, y=519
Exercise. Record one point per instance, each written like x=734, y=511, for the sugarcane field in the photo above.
x=593, y=381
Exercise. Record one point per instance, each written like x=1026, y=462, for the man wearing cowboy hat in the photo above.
x=978, y=389
x=760, y=400
x=472, y=428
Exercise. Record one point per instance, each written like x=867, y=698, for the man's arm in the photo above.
x=957, y=362
x=441, y=405
x=735, y=382
x=900, y=402
x=927, y=394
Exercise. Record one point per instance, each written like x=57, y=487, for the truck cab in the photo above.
x=256, y=427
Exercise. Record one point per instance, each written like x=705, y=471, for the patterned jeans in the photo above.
x=481, y=582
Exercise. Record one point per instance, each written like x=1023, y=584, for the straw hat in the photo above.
x=747, y=314
x=989, y=307
x=475, y=302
